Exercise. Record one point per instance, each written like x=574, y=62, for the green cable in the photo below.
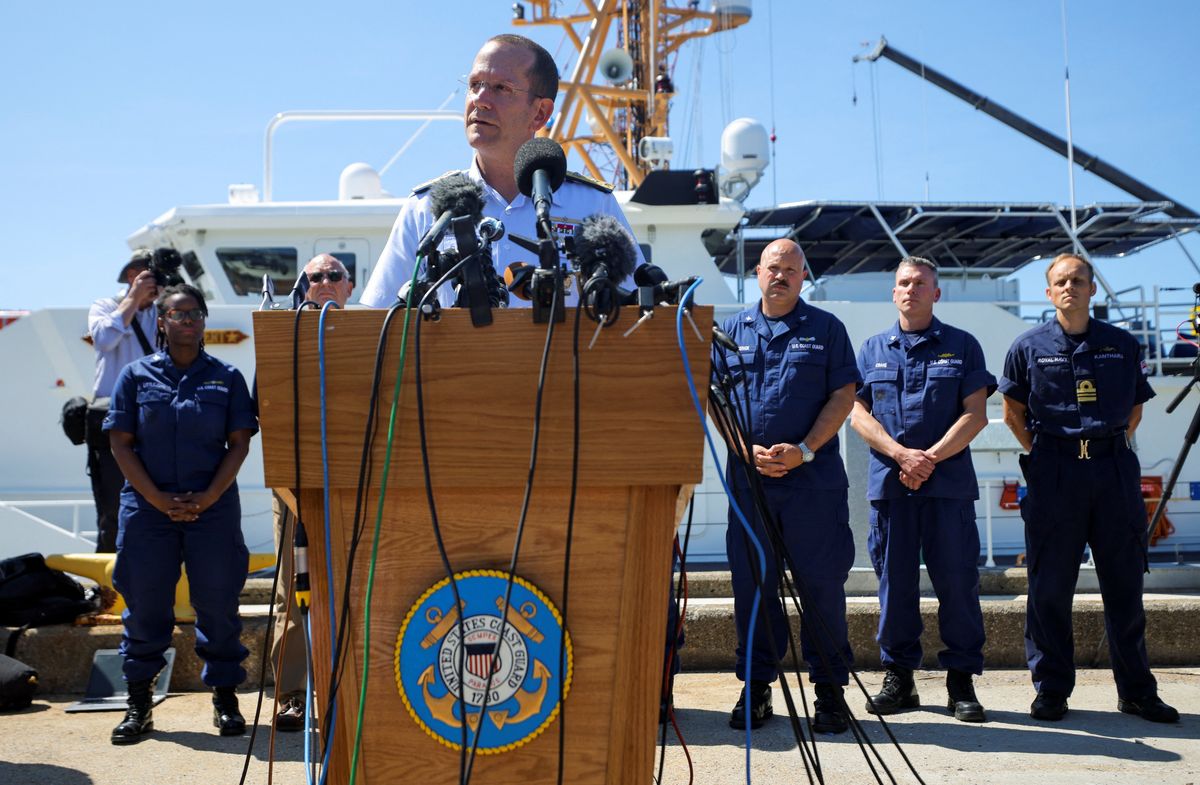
x=387, y=463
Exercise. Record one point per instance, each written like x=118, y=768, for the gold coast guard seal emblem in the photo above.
x=472, y=663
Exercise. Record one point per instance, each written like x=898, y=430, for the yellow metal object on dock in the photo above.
x=99, y=568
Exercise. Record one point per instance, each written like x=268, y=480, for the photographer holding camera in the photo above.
x=120, y=328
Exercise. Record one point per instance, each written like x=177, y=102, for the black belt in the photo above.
x=1082, y=449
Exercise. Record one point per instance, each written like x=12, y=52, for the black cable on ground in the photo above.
x=774, y=531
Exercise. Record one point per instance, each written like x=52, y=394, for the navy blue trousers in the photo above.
x=816, y=532
x=943, y=531
x=1071, y=503
x=150, y=549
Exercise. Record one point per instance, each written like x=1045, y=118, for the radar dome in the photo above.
x=745, y=155
x=360, y=181
x=731, y=8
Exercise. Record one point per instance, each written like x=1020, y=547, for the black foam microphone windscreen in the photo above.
x=458, y=194
x=542, y=153
x=602, y=238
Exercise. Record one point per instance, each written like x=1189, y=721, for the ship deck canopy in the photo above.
x=997, y=238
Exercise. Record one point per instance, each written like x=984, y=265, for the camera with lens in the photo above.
x=165, y=264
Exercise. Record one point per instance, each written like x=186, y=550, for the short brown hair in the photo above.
x=920, y=261
x=1090, y=269
x=543, y=74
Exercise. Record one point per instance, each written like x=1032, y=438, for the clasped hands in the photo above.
x=916, y=466
x=776, y=460
x=183, y=507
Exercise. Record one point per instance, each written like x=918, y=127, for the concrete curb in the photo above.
x=62, y=654
x=1170, y=638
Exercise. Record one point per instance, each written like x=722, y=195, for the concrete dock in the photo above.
x=1093, y=745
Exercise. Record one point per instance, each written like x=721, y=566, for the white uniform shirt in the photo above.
x=571, y=204
x=115, y=342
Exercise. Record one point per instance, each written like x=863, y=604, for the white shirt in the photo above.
x=115, y=342
x=570, y=205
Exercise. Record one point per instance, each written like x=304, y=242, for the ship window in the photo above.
x=245, y=268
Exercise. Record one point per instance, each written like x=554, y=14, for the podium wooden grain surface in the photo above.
x=640, y=444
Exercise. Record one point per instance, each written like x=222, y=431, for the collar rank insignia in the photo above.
x=1085, y=391
x=499, y=673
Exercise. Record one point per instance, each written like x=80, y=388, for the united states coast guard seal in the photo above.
x=447, y=656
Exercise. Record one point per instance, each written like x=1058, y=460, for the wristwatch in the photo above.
x=806, y=455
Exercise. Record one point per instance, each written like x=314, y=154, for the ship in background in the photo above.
x=613, y=119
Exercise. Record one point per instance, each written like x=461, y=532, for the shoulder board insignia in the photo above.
x=425, y=186
x=583, y=179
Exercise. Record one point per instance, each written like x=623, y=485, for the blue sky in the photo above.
x=114, y=113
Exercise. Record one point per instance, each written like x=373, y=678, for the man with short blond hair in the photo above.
x=922, y=400
x=1073, y=393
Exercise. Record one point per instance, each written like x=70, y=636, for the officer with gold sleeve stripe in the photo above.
x=1073, y=393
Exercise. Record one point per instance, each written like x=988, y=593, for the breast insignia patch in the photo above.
x=449, y=658
x=1085, y=391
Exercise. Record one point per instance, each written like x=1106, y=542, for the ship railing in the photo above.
x=21, y=507
x=1155, y=323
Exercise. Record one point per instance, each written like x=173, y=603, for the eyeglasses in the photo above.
x=477, y=86
x=193, y=315
x=333, y=275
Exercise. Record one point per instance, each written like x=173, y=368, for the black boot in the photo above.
x=225, y=712
x=1151, y=708
x=962, y=702
x=829, y=709
x=760, y=706
x=899, y=692
x=139, y=719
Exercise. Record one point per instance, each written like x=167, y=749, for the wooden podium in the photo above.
x=641, y=445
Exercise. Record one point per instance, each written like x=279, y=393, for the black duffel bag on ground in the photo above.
x=18, y=683
x=32, y=594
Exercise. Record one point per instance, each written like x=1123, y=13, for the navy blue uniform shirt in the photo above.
x=790, y=366
x=1084, y=391
x=180, y=418
x=914, y=385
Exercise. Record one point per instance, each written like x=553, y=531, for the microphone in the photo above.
x=540, y=166
x=649, y=275
x=490, y=230
x=517, y=277
x=722, y=339
x=601, y=240
x=450, y=197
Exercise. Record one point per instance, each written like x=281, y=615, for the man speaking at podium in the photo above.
x=510, y=96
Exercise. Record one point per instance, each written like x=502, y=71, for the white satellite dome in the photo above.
x=733, y=7
x=745, y=155
x=360, y=181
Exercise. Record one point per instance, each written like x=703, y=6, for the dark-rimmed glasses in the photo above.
x=333, y=275
x=192, y=315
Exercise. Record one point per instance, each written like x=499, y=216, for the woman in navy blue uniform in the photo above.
x=1073, y=393
x=180, y=427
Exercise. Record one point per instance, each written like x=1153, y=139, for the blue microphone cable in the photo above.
x=733, y=505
